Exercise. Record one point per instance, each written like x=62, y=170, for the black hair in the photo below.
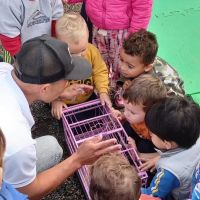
x=175, y=119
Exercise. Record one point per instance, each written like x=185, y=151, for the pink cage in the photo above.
x=85, y=120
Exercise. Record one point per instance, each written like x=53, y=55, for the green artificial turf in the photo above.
x=177, y=26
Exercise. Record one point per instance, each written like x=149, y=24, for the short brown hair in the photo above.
x=2, y=147
x=112, y=177
x=71, y=25
x=143, y=44
x=146, y=90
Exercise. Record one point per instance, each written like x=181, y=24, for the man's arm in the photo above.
x=88, y=152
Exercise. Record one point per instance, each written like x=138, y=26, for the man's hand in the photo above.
x=57, y=107
x=105, y=100
x=92, y=149
x=72, y=91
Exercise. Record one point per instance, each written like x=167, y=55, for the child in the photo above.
x=142, y=93
x=113, y=178
x=112, y=22
x=7, y=192
x=72, y=29
x=138, y=57
x=25, y=19
x=174, y=127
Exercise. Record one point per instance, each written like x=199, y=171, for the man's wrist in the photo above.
x=76, y=161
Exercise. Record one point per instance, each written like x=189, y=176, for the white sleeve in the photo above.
x=20, y=168
x=57, y=9
x=11, y=19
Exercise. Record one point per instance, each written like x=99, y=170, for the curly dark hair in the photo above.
x=143, y=44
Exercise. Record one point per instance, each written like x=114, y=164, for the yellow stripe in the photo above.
x=157, y=181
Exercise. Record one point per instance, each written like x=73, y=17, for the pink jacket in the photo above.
x=118, y=14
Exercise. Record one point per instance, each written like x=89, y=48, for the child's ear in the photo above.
x=168, y=145
x=148, y=68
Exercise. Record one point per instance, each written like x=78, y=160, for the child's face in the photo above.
x=130, y=66
x=134, y=113
x=79, y=49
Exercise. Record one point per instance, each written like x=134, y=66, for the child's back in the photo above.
x=174, y=126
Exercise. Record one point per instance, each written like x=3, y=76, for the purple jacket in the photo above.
x=118, y=14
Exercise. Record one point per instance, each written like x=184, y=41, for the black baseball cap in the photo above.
x=45, y=59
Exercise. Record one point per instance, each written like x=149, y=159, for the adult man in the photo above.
x=39, y=73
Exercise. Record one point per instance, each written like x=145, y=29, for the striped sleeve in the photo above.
x=163, y=183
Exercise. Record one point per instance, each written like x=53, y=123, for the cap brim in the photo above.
x=82, y=69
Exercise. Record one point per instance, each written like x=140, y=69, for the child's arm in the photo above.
x=100, y=74
x=11, y=24
x=163, y=183
x=105, y=99
x=57, y=107
x=57, y=12
x=141, y=14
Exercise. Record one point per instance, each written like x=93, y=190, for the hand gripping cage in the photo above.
x=85, y=120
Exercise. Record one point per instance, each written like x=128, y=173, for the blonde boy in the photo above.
x=113, y=178
x=72, y=29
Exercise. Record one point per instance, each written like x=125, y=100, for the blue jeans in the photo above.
x=48, y=151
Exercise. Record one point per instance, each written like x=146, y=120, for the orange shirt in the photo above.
x=147, y=197
x=141, y=130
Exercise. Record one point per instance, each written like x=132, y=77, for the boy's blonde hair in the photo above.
x=146, y=90
x=112, y=177
x=72, y=26
x=2, y=147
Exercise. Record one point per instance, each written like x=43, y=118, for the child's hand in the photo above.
x=148, y=163
x=57, y=108
x=105, y=100
x=126, y=84
x=74, y=90
x=117, y=114
x=131, y=143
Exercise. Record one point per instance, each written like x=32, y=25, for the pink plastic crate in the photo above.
x=83, y=121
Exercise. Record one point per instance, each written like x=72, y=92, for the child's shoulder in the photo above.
x=162, y=68
x=92, y=53
x=91, y=47
x=169, y=76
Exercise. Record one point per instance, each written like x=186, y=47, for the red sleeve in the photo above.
x=12, y=45
x=53, y=28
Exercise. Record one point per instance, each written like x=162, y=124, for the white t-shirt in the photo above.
x=28, y=18
x=16, y=121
